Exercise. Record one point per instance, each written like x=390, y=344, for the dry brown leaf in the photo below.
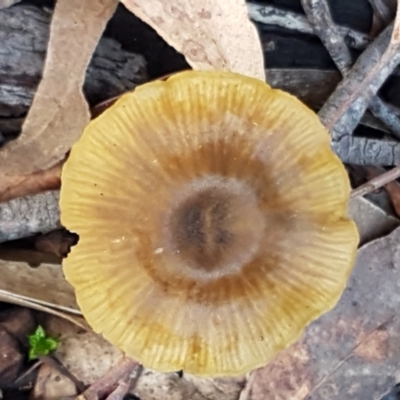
x=59, y=111
x=13, y=186
x=211, y=34
x=43, y=288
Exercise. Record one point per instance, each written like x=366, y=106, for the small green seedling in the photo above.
x=40, y=344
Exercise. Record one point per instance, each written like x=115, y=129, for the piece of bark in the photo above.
x=365, y=151
x=211, y=34
x=29, y=215
x=24, y=33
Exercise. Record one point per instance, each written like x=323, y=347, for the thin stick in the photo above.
x=25, y=216
x=376, y=183
x=319, y=15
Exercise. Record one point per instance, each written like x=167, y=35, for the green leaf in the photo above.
x=41, y=344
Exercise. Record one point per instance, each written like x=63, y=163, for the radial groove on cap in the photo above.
x=211, y=215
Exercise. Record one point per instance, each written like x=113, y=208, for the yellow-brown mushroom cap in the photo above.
x=211, y=215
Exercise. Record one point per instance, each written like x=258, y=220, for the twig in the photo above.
x=319, y=15
x=28, y=371
x=385, y=113
x=271, y=15
x=29, y=215
x=377, y=182
x=344, y=109
x=106, y=383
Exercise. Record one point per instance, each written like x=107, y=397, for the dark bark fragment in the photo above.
x=29, y=215
x=319, y=15
x=345, y=107
x=24, y=33
x=363, y=151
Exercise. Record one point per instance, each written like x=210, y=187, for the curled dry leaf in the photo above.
x=59, y=111
x=211, y=34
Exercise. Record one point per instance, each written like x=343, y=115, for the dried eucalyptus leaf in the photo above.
x=45, y=284
x=211, y=34
x=59, y=111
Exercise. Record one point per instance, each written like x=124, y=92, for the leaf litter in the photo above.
x=361, y=332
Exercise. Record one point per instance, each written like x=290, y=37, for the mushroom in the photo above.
x=211, y=215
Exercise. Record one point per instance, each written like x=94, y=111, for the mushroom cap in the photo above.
x=211, y=215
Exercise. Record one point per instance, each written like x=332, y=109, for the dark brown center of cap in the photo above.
x=215, y=225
